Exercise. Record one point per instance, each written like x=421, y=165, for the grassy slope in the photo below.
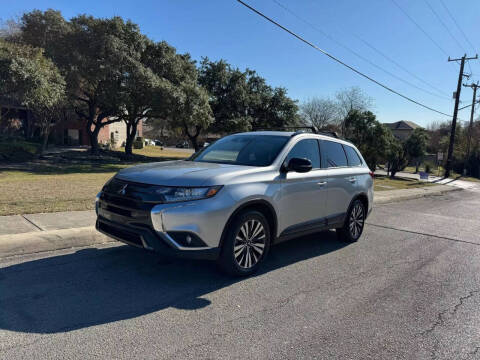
x=55, y=187
x=385, y=183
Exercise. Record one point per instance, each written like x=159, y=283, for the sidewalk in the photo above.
x=434, y=179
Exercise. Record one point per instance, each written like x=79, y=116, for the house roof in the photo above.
x=403, y=125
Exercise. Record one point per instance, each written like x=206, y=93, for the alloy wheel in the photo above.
x=356, y=221
x=249, y=244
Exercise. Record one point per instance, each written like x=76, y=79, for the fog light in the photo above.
x=189, y=239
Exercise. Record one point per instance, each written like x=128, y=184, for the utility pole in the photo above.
x=448, y=165
x=474, y=87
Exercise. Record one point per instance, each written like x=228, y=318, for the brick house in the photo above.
x=71, y=131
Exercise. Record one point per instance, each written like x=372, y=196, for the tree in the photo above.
x=351, y=99
x=190, y=110
x=319, y=112
x=33, y=80
x=97, y=68
x=229, y=99
x=416, y=146
x=370, y=136
x=396, y=157
x=242, y=100
x=142, y=92
x=91, y=54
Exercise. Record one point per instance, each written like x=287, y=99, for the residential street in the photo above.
x=409, y=289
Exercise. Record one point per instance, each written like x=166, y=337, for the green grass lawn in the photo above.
x=51, y=186
x=383, y=183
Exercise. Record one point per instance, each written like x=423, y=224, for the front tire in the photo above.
x=354, y=222
x=246, y=244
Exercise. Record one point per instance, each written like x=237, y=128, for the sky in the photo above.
x=374, y=36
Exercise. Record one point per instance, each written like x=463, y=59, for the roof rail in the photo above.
x=312, y=129
x=300, y=130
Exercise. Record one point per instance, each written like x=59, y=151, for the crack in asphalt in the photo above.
x=424, y=234
x=441, y=321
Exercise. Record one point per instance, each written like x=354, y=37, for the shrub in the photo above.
x=428, y=167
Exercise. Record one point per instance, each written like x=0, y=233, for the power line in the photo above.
x=420, y=28
x=400, y=66
x=458, y=26
x=447, y=29
x=338, y=60
x=444, y=25
x=364, y=58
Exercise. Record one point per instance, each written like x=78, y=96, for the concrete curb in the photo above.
x=43, y=241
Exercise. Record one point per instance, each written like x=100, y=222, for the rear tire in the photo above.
x=246, y=244
x=354, y=223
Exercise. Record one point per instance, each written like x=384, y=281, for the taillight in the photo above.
x=372, y=174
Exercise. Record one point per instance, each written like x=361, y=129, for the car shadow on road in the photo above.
x=98, y=286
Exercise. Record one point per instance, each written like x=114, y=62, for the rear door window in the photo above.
x=352, y=156
x=334, y=154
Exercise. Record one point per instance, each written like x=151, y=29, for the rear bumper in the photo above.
x=149, y=239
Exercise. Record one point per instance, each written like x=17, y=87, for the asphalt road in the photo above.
x=409, y=289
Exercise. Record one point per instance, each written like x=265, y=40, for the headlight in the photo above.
x=175, y=194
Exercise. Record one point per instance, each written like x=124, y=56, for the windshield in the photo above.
x=251, y=150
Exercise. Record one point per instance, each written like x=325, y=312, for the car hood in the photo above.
x=182, y=173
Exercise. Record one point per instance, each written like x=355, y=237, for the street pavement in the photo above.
x=408, y=289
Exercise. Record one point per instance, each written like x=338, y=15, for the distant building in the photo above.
x=402, y=129
x=71, y=131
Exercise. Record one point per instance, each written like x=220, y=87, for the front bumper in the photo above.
x=189, y=229
x=147, y=238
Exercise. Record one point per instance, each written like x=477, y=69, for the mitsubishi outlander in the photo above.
x=234, y=199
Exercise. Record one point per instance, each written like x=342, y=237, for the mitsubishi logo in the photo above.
x=123, y=189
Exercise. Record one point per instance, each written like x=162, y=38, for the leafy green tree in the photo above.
x=178, y=97
x=396, y=157
x=349, y=100
x=416, y=146
x=241, y=100
x=33, y=80
x=97, y=68
x=370, y=136
x=229, y=98
x=190, y=110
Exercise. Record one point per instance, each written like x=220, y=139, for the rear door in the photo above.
x=339, y=178
x=303, y=195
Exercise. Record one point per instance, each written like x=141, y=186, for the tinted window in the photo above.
x=252, y=150
x=306, y=149
x=352, y=156
x=334, y=154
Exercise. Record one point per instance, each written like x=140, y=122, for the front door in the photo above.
x=303, y=195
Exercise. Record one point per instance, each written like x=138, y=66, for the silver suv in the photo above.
x=237, y=197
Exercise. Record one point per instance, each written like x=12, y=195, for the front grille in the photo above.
x=121, y=202
x=121, y=234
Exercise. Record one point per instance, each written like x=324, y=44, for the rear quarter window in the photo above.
x=352, y=156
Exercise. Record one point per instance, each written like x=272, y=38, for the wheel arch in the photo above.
x=260, y=205
x=363, y=198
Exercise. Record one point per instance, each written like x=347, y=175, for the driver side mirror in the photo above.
x=298, y=165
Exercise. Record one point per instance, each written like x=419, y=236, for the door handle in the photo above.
x=352, y=180
x=322, y=183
